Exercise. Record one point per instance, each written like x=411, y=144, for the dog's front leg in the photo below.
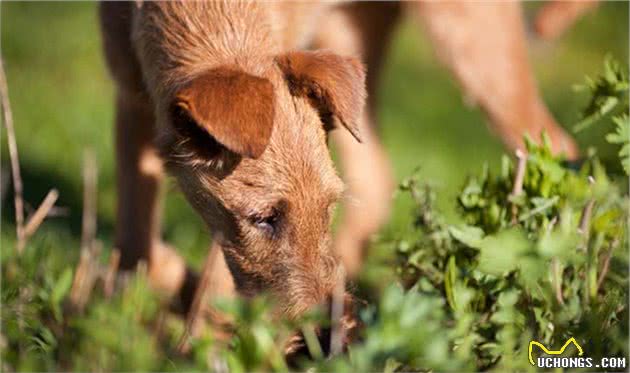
x=138, y=176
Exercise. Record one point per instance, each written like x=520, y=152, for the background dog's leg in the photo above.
x=361, y=29
x=556, y=16
x=484, y=45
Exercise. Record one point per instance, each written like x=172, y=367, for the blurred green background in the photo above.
x=62, y=104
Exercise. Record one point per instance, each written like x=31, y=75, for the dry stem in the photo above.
x=519, y=176
x=15, y=161
x=585, y=219
x=605, y=267
x=194, y=314
x=88, y=231
x=81, y=278
x=517, y=188
x=40, y=214
x=110, y=276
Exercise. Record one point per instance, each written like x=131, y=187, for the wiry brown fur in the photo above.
x=240, y=111
x=177, y=41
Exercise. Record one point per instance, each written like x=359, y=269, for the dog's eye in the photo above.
x=267, y=223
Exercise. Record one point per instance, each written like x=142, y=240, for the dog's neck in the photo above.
x=176, y=41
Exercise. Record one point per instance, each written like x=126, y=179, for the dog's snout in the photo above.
x=310, y=286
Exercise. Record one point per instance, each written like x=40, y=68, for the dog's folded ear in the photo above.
x=335, y=84
x=235, y=108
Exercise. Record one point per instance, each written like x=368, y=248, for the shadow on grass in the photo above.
x=37, y=181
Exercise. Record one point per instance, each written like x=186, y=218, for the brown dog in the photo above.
x=226, y=96
x=241, y=121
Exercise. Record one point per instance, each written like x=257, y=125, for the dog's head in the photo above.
x=250, y=153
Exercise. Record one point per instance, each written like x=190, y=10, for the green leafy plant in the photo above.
x=545, y=263
x=609, y=98
x=541, y=251
x=621, y=136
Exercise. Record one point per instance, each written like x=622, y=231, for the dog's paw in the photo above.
x=167, y=269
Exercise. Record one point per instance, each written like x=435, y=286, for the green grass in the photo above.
x=62, y=103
